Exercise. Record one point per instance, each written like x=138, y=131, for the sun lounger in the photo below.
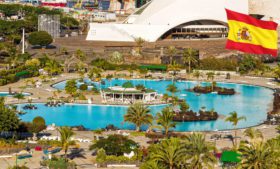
x=24, y=156
x=52, y=150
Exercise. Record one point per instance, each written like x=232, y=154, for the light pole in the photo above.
x=23, y=41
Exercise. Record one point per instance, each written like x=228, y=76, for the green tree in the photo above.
x=211, y=76
x=101, y=156
x=256, y=156
x=165, y=97
x=80, y=55
x=115, y=145
x=127, y=84
x=171, y=51
x=189, y=57
x=276, y=71
x=52, y=67
x=234, y=119
x=169, y=154
x=197, y=75
x=253, y=134
x=19, y=96
x=200, y=153
x=9, y=120
x=278, y=128
x=174, y=68
x=139, y=42
x=66, y=134
x=41, y=38
x=39, y=124
x=95, y=74
x=184, y=106
x=172, y=88
x=71, y=87
x=116, y=58
x=139, y=115
x=174, y=101
x=165, y=119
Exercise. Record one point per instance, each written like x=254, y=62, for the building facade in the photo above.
x=171, y=19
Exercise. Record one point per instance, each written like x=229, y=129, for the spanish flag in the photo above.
x=251, y=35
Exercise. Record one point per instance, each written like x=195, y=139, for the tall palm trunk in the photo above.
x=166, y=132
x=65, y=154
x=189, y=66
x=137, y=128
x=234, y=140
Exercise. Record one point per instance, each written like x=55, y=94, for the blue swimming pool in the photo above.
x=6, y=94
x=250, y=101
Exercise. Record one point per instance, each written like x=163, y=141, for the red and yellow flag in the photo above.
x=251, y=35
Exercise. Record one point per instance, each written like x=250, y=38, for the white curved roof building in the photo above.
x=159, y=17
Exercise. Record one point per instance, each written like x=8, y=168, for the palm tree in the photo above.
x=165, y=119
x=139, y=42
x=253, y=134
x=169, y=153
x=174, y=101
x=189, y=57
x=199, y=152
x=66, y=134
x=172, y=88
x=211, y=76
x=276, y=71
x=81, y=67
x=19, y=96
x=197, y=75
x=256, y=156
x=52, y=67
x=165, y=97
x=174, y=68
x=95, y=74
x=171, y=51
x=79, y=54
x=234, y=119
x=138, y=114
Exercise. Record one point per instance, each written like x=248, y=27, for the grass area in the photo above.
x=137, y=134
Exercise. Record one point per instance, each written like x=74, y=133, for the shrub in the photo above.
x=101, y=156
x=127, y=85
x=212, y=63
x=18, y=167
x=41, y=38
x=71, y=87
x=83, y=87
x=59, y=163
x=38, y=124
x=115, y=145
x=140, y=87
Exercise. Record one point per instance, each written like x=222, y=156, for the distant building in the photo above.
x=103, y=17
x=161, y=19
x=50, y=24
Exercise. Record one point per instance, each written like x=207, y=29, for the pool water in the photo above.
x=6, y=94
x=253, y=102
